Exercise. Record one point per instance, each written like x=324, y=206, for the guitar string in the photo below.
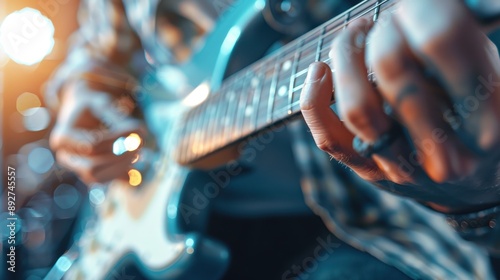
x=315, y=41
x=290, y=105
x=310, y=35
x=311, y=41
x=303, y=71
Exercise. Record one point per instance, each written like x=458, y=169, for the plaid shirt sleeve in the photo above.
x=104, y=48
x=396, y=230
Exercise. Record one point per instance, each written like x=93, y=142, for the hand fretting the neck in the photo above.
x=266, y=92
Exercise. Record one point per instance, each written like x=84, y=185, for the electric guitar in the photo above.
x=203, y=130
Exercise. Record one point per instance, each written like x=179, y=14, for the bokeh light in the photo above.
x=66, y=196
x=97, y=195
x=36, y=119
x=3, y=57
x=135, y=177
x=197, y=96
x=40, y=160
x=27, y=101
x=27, y=36
x=132, y=142
x=127, y=144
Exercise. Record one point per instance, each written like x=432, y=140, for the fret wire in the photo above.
x=223, y=113
x=238, y=122
x=268, y=74
x=272, y=91
x=186, y=137
x=201, y=125
x=346, y=21
x=257, y=98
x=214, y=123
x=250, y=97
x=231, y=110
x=377, y=11
x=190, y=138
x=194, y=129
x=320, y=44
x=208, y=123
x=292, y=78
x=219, y=141
x=180, y=137
x=205, y=121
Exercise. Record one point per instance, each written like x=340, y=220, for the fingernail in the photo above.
x=315, y=73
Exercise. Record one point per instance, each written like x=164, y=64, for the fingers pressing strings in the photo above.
x=328, y=131
x=360, y=104
x=418, y=104
x=449, y=43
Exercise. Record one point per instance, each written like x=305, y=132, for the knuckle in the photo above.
x=87, y=178
x=442, y=176
x=357, y=117
x=444, y=173
x=88, y=175
x=84, y=148
x=400, y=179
x=61, y=160
x=330, y=146
x=344, y=46
x=92, y=171
x=434, y=45
x=307, y=104
x=391, y=65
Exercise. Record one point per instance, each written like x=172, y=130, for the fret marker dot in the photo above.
x=287, y=65
x=248, y=111
x=282, y=91
x=255, y=82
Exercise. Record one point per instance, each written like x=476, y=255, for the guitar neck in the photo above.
x=266, y=92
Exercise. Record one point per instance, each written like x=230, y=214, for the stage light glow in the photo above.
x=66, y=196
x=40, y=160
x=135, y=177
x=132, y=142
x=127, y=144
x=197, y=96
x=3, y=57
x=97, y=196
x=27, y=36
x=36, y=119
x=27, y=101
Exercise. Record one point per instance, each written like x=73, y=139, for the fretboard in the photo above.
x=266, y=92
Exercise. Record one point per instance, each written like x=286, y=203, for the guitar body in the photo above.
x=143, y=226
